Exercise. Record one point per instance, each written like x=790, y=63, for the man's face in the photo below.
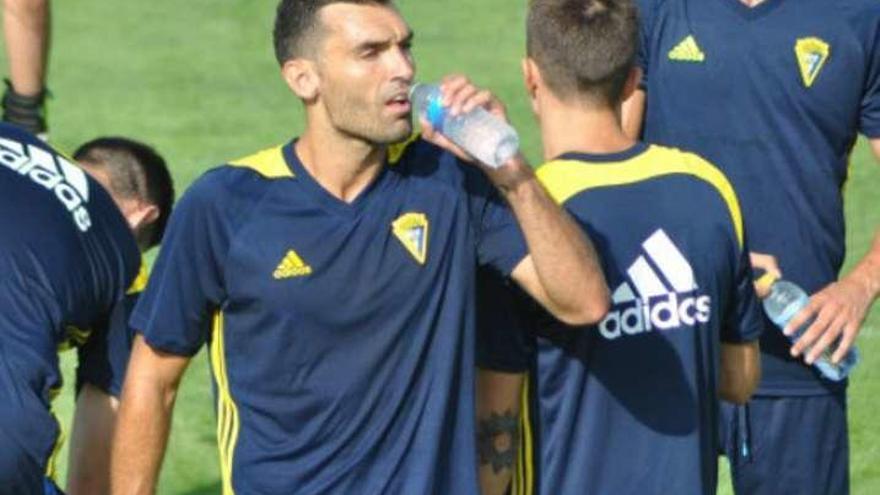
x=366, y=69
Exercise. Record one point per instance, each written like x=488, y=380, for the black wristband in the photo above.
x=27, y=112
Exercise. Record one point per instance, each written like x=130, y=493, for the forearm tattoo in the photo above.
x=497, y=440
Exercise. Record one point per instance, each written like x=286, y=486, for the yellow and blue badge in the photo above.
x=411, y=229
x=811, y=55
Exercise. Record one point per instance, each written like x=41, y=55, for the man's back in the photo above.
x=633, y=402
x=67, y=256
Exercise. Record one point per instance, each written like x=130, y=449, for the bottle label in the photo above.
x=435, y=113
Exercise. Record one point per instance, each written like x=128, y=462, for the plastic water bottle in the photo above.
x=784, y=302
x=488, y=138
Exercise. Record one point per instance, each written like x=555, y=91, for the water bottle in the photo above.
x=786, y=300
x=488, y=138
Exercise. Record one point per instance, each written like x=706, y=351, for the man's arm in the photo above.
x=740, y=371
x=562, y=270
x=498, y=404
x=840, y=308
x=90, y=442
x=26, y=31
x=144, y=422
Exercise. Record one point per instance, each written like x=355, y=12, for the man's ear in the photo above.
x=142, y=215
x=302, y=78
x=531, y=79
x=633, y=79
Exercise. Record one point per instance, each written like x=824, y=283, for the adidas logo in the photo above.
x=54, y=173
x=666, y=300
x=291, y=266
x=687, y=51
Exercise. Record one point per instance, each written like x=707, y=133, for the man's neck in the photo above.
x=341, y=164
x=751, y=3
x=572, y=128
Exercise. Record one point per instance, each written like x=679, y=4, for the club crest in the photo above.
x=411, y=229
x=811, y=55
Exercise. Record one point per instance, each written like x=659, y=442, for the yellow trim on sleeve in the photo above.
x=140, y=282
x=269, y=163
x=566, y=178
x=227, y=412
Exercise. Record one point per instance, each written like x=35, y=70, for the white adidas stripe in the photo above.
x=672, y=264
x=647, y=283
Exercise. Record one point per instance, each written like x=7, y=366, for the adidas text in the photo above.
x=662, y=312
x=69, y=183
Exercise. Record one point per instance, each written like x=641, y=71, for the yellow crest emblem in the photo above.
x=811, y=55
x=411, y=229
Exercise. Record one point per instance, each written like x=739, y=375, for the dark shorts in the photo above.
x=787, y=445
x=28, y=432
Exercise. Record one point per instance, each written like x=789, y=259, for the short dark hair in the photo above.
x=136, y=170
x=584, y=48
x=295, y=20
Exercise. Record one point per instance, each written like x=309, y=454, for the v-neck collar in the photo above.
x=751, y=13
x=323, y=197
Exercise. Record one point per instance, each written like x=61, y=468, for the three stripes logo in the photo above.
x=661, y=293
x=66, y=180
x=687, y=50
x=291, y=266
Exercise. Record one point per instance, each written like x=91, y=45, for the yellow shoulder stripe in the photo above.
x=395, y=151
x=140, y=282
x=566, y=178
x=269, y=163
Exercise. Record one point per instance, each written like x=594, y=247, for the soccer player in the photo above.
x=775, y=93
x=630, y=405
x=69, y=254
x=333, y=279
x=26, y=25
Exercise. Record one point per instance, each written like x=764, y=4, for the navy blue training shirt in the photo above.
x=630, y=405
x=341, y=334
x=67, y=259
x=774, y=95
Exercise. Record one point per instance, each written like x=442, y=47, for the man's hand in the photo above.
x=460, y=96
x=768, y=264
x=839, y=310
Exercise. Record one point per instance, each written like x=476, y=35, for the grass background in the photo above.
x=197, y=79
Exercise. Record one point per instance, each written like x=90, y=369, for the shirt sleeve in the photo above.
x=642, y=55
x=504, y=342
x=869, y=117
x=104, y=357
x=500, y=243
x=744, y=320
x=186, y=286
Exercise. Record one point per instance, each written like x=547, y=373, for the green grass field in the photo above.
x=198, y=80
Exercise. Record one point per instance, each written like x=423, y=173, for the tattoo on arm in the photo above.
x=497, y=440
